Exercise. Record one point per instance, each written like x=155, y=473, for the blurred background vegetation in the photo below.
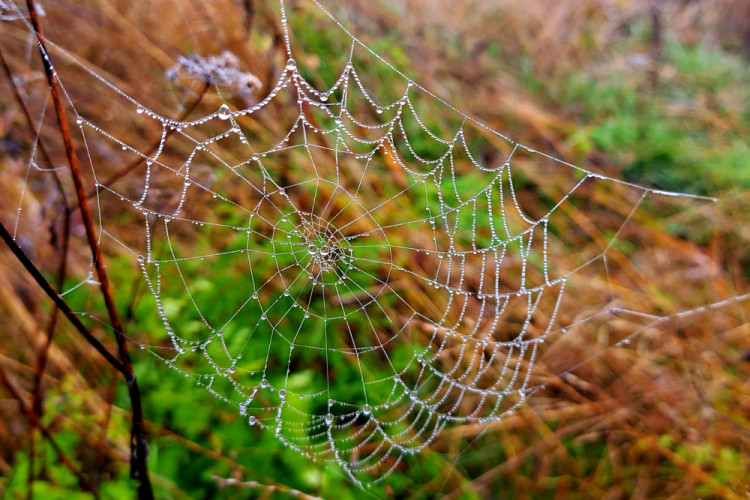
x=654, y=92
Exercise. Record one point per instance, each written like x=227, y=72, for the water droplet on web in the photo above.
x=264, y=383
x=252, y=420
x=413, y=395
x=224, y=112
x=139, y=110
x=324, y=96
x=291, y=64
x=255, y=295
x=282, y=393
x=325, y=250
x=329, y=419
x=79, y=120
x=366, y=410
x=312, y=249
x=379, y=110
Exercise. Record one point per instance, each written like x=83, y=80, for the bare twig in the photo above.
x=138, y=443
x=59, y=302
x=43, y=353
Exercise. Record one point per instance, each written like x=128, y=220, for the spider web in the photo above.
x=289, y=261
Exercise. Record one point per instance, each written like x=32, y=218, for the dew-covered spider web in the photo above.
x=351, y=275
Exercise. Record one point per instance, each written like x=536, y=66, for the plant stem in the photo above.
x=59, y=301
x=138, y=443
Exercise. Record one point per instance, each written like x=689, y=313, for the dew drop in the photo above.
x=329, y=418
x=366, y=410
x=291, y=64
x=312, y=249
x=325, y=250
x=264, y=383
x=224, y=112
x=252, y=420
x=282, y=393
x=140, y=110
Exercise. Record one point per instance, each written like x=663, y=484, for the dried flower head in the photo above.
x=222, y=70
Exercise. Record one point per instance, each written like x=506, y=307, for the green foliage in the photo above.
x=655, y=134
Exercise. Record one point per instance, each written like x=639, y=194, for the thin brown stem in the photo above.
x=43, y=353
x=36, y=275
x=138, y=442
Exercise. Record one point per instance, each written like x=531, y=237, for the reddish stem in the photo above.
x=138, y=443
